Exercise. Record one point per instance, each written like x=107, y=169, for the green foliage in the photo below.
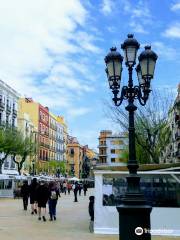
x=13, y=143
x=7, y=142
x=151, y=125
x=55, y=165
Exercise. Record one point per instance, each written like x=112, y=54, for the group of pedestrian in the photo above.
x=77, y=187
x=40, y=194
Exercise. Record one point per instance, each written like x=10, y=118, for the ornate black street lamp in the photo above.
x=134, y=212
x=33, y=166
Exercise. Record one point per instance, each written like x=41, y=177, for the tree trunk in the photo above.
x=1, y=163
x=19, y=169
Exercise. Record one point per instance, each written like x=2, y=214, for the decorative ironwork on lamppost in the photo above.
x=134, y=212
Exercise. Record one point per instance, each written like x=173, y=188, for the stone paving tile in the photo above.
x=72, y=222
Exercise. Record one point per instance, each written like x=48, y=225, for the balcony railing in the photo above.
x=2, y=105
x=177, y=135
x=102, y=154
x=2, y=123
x=14, y=112
x=8, y=109
x=44, y=158
x=102, y=145
x=178, y=153
x=70, y=161
x=177, y=117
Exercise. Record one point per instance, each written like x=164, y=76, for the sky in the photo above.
x=53, y=51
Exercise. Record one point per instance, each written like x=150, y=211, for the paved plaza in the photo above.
x=72, y=222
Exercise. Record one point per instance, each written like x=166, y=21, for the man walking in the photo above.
x=25, y=194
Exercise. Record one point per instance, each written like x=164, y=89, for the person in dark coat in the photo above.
x=91, y=213
x=85, y=188
x=25, y=194
x=80, y=188
x=53, y=198
x=42, y=198
x=33, y=196
x=76, y=188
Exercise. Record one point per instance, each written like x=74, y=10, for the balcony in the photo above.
x=44, y=159
x=71, y=162
x=102, y=154
x=2, y=123
x=46, y=133
x=102, y=145
x=2, y=105
x=8, y=109
x=177, y=153
x=14, y=112
x=177, y=117
x=177, y=135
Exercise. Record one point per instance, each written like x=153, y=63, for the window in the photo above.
x=13, y=122
x=72, y=151
x=112, y=150
x=112, y=159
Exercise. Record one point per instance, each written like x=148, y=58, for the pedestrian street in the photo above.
x=72, y=221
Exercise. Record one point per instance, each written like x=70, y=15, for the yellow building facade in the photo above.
x=28, y=129
x=74, y=158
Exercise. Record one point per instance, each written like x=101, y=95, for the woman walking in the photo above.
x=42, y=198
x=33, y=196
x=53, y=198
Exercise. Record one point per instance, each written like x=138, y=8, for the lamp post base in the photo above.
x=134, y=222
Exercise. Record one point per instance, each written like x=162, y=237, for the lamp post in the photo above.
x=134, y=212
x=33, y=166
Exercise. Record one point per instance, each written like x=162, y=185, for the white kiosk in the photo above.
x=164, y=220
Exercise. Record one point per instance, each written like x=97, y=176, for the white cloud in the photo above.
x=107, y=6
x=164, y=51
x=76, y=112
x=175, y=7
x=139, y=15
x=39, y=42
x=138, y=28
x=173, y=31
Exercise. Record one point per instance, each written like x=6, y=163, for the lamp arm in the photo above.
x=123, y=96
x=141, y=97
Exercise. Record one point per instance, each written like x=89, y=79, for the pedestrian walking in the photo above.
x=61, y=187
x=85, y=188
x=76, y=188
x=58, y=187
x=91, y=213
x=25, y=194
x=42, y=198
x=33, y=195
x=79, y=188
x=69, y=187
x=64, y=187
x=53, y=198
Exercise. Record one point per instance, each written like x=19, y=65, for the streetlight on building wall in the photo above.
x=134, y=211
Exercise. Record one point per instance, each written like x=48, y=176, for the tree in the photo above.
x=86, y=167
x=7, y=136
x=151, y=125
x=25, y=147
x=59, y=166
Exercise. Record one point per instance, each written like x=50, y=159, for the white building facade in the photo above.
x=113, y=148
x=171, y=153
x=117, y=145
x=59, y=142
x=8, y=117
